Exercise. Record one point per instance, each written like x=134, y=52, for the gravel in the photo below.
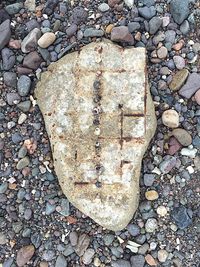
x=39, y=227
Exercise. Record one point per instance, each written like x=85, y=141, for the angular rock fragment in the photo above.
x=100, y=117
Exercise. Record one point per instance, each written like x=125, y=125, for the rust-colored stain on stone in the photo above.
x=102, y=119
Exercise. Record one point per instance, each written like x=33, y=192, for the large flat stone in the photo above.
x=100, y=117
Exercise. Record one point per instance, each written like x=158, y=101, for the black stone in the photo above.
x=181, y=217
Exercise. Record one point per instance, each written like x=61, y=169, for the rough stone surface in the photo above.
x=24, y=255
x=180, y=10
x=29, y=43
x=178, y=79
x=121, y=34
x=5, y=33
x=97, y=155
x=191, y=86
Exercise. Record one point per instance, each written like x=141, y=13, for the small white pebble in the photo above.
x=162, y=211
x=191, y=42
x=190, y=169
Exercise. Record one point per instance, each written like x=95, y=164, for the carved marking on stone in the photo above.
x=100, y=118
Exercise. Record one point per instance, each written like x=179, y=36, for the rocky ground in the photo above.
x=38, y=227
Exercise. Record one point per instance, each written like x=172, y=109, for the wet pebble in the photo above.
x=24, y=85
x=8, y=58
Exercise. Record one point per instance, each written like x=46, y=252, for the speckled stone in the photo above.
x=116, y=177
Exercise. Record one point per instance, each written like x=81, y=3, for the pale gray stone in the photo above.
x=98, y=151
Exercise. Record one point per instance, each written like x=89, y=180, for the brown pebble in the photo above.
x=24, y=255
x=150, y=260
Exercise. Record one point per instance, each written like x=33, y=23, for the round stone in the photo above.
x=23, y=85
x=47, y=39
x=170, y=118
x=162, y=255
x=22, y=163
x=151, y=225
x=151, y=195
x=161, y=210
x=103, y=7
x=162, y=52
x=22, y=118
x=182, y=136
x=179, y=62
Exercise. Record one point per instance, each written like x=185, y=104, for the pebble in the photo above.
x=8, y=58
x=137, y=261
x=197, y=97
x=133, y=229
x=129, y=3
x=50, y=6
x=68, y=250
x=82, y=245
x=12, y=98
x=179, y=10
x=22, y=163
x=182, y=136
x=32, y=60
x=154, y=24
x=24, y=85
x=3, y=187
x=46, y=39
x=73, y=237
x=30, y=5
x=22, y=152
x=29, y=43
x=3, y=15
x=91, y=32
x=181, y=217
x=49, y=208
x=24, y=255
x=189, y=152
x=151, y=225
x=162, y=255
x=192, y=85
x=61, y=261
x=121, y=263
x=133, y=26
x=22, y=118
x=170, y=36
x=179, y=62
x=178, y=79
x=88, y=256
x=167, y=164
x=174, y=146
x=31, y=24
x=71, y=30
x=5, y=33
x=103, y=7
x=48, y=255
x=79, y=15
x=162, y=52
x=121, y=34
x=14, y=8
x=161, y=210
x=147, y=12
x=151, y=195
x=10, y=79
x=170, y=118
x=24, y=106
x=150, y=260
x=36, y=239
x=149, y=179
x=185, y=27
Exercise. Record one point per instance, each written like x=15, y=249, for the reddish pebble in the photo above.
x=174, y=146
x=150, y=260
x=178, y=46
x=15, y=44
x=197, y=97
